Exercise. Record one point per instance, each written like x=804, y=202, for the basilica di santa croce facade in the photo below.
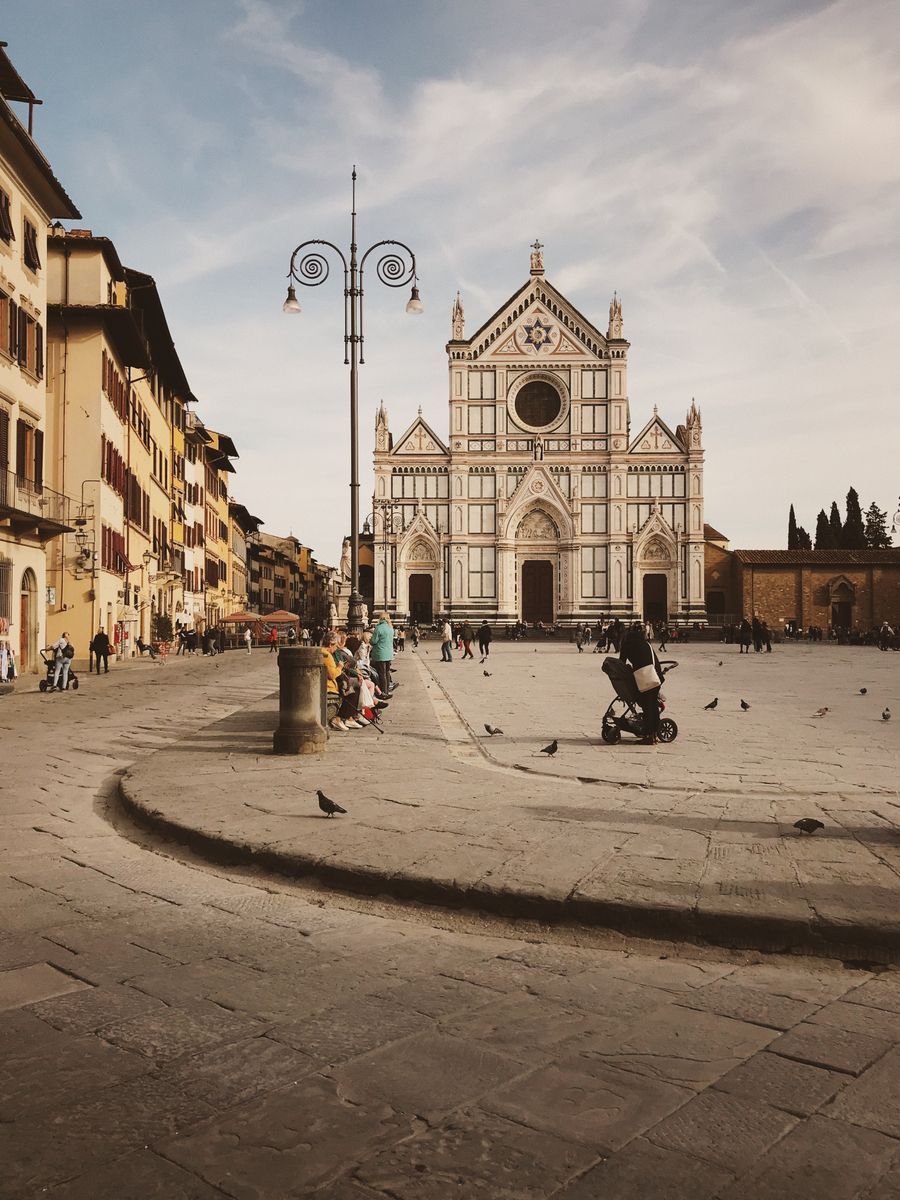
x=544, y=504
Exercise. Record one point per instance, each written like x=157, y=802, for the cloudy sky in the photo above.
x=731, y=168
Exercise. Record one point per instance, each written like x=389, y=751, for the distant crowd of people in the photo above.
x=885, y=637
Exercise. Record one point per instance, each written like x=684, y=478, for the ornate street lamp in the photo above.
x=390, y=510
x=395, y=268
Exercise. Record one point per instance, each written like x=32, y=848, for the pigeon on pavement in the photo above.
x=862, y=691
x=721, y=664
x=820, y=712
x=712, y=703
x=492, y=729
x=808, y=825
x=551, y=749
x=486, y=674
x=328, y=807
x=744, y=705
x=886, y=714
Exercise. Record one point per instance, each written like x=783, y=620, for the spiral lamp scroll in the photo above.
x=312, y=269
x=394, y=270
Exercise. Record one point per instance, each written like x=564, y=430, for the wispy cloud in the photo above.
x=736, y=177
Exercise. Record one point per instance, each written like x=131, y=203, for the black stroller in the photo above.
x=46, y=684
x=624, y=714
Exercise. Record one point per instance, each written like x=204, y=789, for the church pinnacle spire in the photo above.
x=537, y=258
x=614, y=332
x=458, y=317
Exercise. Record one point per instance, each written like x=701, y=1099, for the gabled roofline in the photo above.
x=420, y=420
x=531, y=283
x=656, y=419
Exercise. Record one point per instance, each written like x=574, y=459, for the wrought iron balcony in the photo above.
x=31, y=509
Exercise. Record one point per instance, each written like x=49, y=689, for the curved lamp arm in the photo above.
x=396, y=268
x=313, y=269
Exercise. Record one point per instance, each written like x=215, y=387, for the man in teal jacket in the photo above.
x=383, y=651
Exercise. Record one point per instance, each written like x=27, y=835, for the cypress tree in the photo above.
x=804, y=541
x=854, y=532
x=877, y=536
x=792, y=530
x=837, y=529
x=824, y=537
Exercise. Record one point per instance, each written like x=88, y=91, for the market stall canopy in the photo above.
x=246, y=617
x=280, y=617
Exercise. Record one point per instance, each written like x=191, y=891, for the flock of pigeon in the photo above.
x=820, y=712
x=808, y=825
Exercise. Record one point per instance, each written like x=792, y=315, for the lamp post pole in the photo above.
x=395, y=268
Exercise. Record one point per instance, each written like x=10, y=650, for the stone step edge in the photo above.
x=764, y=932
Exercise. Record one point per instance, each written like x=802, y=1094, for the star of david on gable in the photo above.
x=537, y=334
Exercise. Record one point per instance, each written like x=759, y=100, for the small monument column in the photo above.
x=301, y=701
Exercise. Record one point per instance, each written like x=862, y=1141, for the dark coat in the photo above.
x=638, y=652
x=485, y=635
x=466, y=632
x=100, y=644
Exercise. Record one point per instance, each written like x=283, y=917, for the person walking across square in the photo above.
x=484, y=640
x=447, y=641
x=100, y=650
x=382, y=652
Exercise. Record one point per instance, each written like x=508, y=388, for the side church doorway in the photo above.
x=421, y=599
x=537, y=592
x=656, y=607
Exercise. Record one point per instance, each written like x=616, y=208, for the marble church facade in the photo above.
x=542, y=503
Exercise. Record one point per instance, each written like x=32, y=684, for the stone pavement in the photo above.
x=174, y=1030
x=692, y=840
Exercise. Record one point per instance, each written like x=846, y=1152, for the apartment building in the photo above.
x=32, y=514
x=242, y=527
x=217, y=455
x=116, y=388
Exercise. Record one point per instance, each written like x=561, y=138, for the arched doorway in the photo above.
x=28, y=623
x=843, y=596
x=537, y=592
x=656, y=599
x=421, y=598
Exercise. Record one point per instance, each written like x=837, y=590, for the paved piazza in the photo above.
x=170, y=1028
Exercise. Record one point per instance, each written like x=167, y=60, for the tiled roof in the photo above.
x=812, y=558
x=712, y=534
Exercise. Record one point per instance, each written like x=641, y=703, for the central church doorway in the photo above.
x=656, y=606
x=421, y=601
x=537, y=592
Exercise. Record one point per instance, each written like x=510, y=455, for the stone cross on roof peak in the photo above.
x=537, y=258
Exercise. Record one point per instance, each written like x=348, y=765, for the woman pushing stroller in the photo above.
x=640, y=655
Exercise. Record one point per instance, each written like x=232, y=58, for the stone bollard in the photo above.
x=300, y=683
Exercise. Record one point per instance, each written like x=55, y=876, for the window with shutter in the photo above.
x=39, y=351
x=38, y=459
x=12, y=346
x=21, y=449
x=4, y=455
x=7, y=233
x=30, y=252
x=22, y=338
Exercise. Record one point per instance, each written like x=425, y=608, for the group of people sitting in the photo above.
x=358, y=675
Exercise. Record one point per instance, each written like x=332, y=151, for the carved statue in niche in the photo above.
x=655, y=551
x=537, y=526
x=420, y=551
x=345, y=559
